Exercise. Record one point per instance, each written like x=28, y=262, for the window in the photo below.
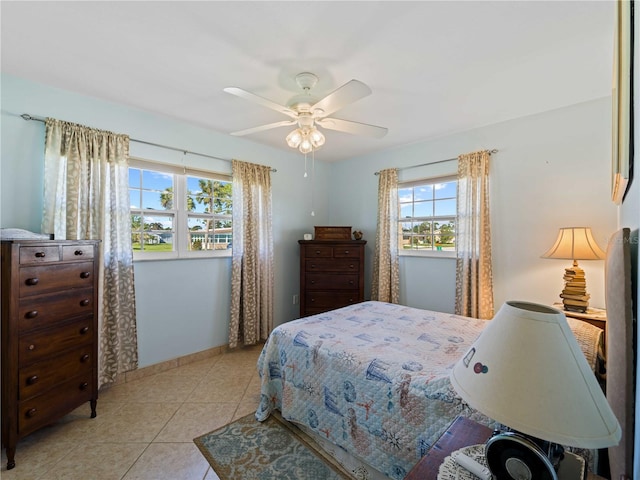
x=428, y=215
x=178, y=213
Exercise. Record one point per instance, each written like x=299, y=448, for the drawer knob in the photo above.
x=346, y=252
x=31, y=380
x=84, y=302
x=317, y=252
x=312, y=282
x=84, y=330
x=40, y=255
x=31, y=347
x=313, y=300
x=351, y=282
x=351, y=266
x=32, y=281
x=78, y=252
x=31, y=314
x=84, y=386
x=85, y=274
x=84, y=358
x=31, y=412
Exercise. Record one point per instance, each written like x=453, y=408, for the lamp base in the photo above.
x=574, y=295
x=513, y=456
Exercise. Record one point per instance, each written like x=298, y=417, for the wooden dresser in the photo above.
x=331, y=274
x=49, y=334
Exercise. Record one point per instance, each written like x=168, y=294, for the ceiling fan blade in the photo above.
x=261, y=100
x=262, y=128
x=341, y=97
x=355, y=128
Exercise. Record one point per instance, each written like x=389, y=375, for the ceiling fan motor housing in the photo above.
x=306, y=80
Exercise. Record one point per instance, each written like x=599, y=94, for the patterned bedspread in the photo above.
x=373, y=378
x=386, y=403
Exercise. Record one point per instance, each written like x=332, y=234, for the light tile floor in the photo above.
x=145, y=428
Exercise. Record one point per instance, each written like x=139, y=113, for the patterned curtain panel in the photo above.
x=474, y=278
x=252, y=264
x=385, y=282
x=86, y=196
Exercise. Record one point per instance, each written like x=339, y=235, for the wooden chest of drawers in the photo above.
x=331, y=274
x=49, y=334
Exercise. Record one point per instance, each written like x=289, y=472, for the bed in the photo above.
x=371, y=381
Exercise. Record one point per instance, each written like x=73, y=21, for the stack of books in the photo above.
x=574, y=296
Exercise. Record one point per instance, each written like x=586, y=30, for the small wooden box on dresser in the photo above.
x=49, y=334
x=331, y=274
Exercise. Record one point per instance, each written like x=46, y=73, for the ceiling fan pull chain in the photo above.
x=313, y=177
x=305, y=165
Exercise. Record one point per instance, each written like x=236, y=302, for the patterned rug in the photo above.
x=247, y=449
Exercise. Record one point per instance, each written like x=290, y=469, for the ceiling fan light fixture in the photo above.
x=305, y=139
x=294, y=138
x=306, y=146
x=317, y=138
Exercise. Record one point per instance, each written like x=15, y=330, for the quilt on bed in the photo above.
x=387, y=403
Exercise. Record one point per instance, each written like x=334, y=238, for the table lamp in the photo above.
x=575, y=243
x=527, y=372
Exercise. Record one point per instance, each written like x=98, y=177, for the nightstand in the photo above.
x=594, y=316
x=461, y=433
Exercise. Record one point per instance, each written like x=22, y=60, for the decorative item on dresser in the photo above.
x=331, y=274
x=49, y=333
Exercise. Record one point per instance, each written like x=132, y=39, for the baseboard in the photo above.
x=156, y=368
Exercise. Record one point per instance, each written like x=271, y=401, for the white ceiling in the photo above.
x=435, y=68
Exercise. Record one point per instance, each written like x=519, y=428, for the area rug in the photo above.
x=271, y=450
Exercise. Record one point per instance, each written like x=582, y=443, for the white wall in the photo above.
x=552, y=170
x=182, y=305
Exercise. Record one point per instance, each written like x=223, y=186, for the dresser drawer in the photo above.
x=34, y=347
x=77, y=252
x=42, y=376
x=44, y=310
x=332, y=265
x=36, y=280
x=329, y=281
x=344, y=251
x=318, y=251
x=43, y=409
x=39, y=254
x=331, y=300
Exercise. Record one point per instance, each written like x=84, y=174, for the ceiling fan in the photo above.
x=307, y=112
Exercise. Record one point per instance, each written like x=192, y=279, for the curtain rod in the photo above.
x=433, y=163
x=26, y=116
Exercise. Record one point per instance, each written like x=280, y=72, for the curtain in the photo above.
x=252, y=258
x=385, y=282
x=474, y=278
x=86, y=196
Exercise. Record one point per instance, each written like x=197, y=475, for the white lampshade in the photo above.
x=527, y=371
x=575, y=243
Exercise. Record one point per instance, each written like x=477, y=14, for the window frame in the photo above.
x=179, y=211
x=433, y=218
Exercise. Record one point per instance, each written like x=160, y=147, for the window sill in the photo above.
x=427, y=254
x=154, y=257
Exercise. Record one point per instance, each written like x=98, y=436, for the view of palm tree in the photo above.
x=208, y=209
